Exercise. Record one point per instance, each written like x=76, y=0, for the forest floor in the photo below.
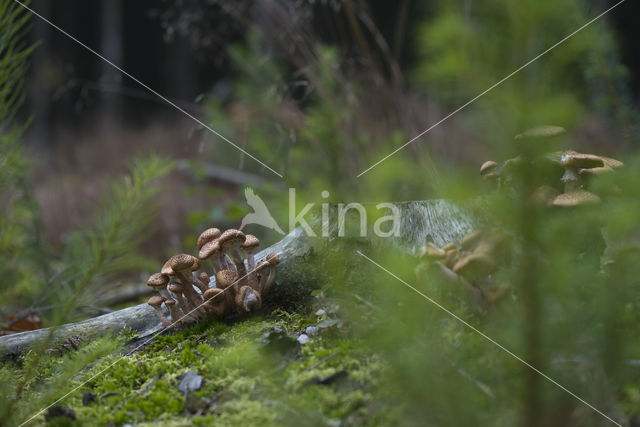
x=249, y=371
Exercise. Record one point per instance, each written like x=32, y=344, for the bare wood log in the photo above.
x=300, y=270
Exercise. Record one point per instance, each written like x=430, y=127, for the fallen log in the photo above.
x=301, y=269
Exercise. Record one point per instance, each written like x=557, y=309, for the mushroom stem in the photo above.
x=156, y=302
x=163, y=319
x=189, y=291
x=214, y=302
x=253, y=278
x=238, y=262
x=251, y=260
x=269, y=280
x=216, y=264
x=162, y=291
x=570, y=179
x=203, y=285
x=183, y=302
x=448, y=274
x=226, y=262
x=176, y=314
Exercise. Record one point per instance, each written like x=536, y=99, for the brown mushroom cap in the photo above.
x=571, y=158
x=451, y=257
x=471, y=240
x=596, y=171
x=541, y=132
x=211, y=293
x=576, y=198
x=183, y=262
x=158, y=280
x=449, y=246
x=209, y=249
x=251, y=242
x=169, y=302
x=231, y=237
x=272, y=259
x=166, y=269
x=612, y=163
x=433, y=253
x=475, y=265
x=488, y=169
x=226, y=278
x=155, y=301
x=261, y=266
x=204, y=277
x=206, y=236
x=176, y=288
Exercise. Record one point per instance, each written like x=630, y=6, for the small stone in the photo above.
x=303, y=339
x=321, y=313
x=189, y=381
x=312, y=331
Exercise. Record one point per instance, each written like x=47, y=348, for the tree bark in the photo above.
x=302, y=265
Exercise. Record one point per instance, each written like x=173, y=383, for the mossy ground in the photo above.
x=250, y=377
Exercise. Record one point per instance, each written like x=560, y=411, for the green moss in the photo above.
x=245, y=382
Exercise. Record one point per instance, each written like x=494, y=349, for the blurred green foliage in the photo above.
x=469, y=46
x=23, y=261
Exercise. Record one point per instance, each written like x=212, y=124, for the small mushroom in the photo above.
x=180, y=266
x=471, y=240
x=158, y=282
x=250, y=247
x=231, y=241
x=266, y=272
x=451, y=257
x=177, y=289
x=263, y=269
x=213, y=252
x=214, y=302
x=612, y=163
x=576, y=198
x=541, y=132
x=489, y=170
x=495, y=245
x=227, y=279
x=474, y=294
x=596, y=171
x=176, y=314
x=449, y=246
x=572, y=162
x=207, y=236
x=155, y=302
x=204, y=278
x=475, y=265
x=273, y=260
x=248, y=299
x=432, y=253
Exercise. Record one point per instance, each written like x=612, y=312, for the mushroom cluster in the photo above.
x=574, y=169
x=473, y=264
x=191, y=294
